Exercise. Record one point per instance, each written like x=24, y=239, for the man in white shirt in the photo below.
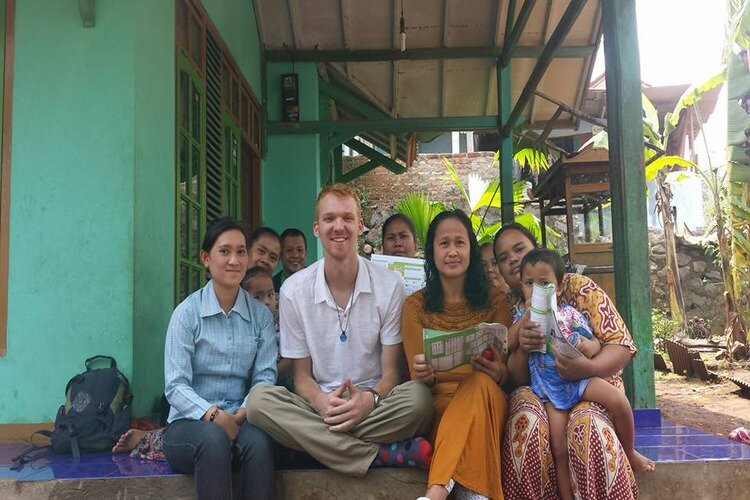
x=340, y=323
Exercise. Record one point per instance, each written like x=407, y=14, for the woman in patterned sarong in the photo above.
x=599, y=467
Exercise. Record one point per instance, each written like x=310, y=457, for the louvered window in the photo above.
x=218, y=141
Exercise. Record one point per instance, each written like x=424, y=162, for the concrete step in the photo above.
x=709, y=480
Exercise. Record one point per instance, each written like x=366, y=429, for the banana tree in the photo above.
x=657, y=168
x=418, y=207
x=736, y=52
x=482, y=194
x=665, y=169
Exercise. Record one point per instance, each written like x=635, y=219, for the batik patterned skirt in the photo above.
x=599, y=467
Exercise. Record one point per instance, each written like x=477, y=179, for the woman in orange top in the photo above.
x=469, y=404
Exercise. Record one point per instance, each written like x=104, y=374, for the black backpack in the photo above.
x=97, y=410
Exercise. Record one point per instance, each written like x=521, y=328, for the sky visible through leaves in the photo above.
x=680, y=40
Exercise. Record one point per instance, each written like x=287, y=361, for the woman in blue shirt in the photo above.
x=220, y=343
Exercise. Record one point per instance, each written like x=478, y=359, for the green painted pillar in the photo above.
x=291, y=175
x=629, y=228
x=327, y=174
x=506, y=143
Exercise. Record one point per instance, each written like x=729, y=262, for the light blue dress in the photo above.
x=545, y=380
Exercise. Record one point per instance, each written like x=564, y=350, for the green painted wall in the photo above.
x=154, y=205
x=291, y=174
x=235, y=20
x=71, y=214
x=92, y=229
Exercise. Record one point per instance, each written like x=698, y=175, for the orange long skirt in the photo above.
x=468, y=434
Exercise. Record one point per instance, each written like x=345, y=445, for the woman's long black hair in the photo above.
x=476, y=286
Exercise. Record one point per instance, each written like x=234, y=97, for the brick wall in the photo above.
x=382, y=189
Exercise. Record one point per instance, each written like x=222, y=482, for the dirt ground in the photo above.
x=716, y=407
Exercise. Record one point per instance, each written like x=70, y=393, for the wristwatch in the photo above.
x=375, y=395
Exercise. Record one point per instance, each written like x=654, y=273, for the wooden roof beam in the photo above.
x=548, y=127
x=561, y=31
x=515, y=35
x=294, y=19
x=349, y=100
x=446, y=40
x=438, y=123
x=492, y=78
x=345, y=30
x=573, y=111
x=374, y=55
x=377, y=156
x=545, y=39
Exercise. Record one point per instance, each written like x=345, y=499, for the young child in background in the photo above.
x=490, y=268
x=543, y=267
x=258, y=282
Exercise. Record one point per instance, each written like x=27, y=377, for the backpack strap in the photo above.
x=31, y=453
x=74, y=448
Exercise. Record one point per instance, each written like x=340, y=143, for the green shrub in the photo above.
x=664, y=328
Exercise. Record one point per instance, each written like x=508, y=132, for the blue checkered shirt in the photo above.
x=214, y=358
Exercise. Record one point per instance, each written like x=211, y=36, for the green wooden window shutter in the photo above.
x=208, y=159
x=191, y=178
x=214, y=140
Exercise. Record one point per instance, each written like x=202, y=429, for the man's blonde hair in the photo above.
x=339, y=190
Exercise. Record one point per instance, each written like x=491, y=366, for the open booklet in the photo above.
x=544, y=311
x=410, y=269
x=446, y=350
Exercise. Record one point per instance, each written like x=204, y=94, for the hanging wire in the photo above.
x=402, y=30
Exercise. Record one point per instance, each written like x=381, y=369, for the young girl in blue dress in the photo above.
x=544, y=267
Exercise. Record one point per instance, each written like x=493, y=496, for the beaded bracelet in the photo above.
x=212, y=417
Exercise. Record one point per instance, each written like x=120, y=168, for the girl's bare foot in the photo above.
x=128, y=441
x=639, y=463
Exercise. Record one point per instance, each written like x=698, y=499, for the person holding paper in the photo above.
x=399, y=237
x=469, y=403
x=528, y=464
x=541, y=268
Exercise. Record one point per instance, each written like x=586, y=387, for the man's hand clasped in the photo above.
x=345, y=407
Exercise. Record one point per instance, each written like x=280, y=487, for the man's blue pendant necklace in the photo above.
x=343, y=337
x=344, y=326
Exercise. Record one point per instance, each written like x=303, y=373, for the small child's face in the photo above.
x=261, y=288
x=540, y=273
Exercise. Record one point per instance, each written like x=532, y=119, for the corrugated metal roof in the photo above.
x=439, y=87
